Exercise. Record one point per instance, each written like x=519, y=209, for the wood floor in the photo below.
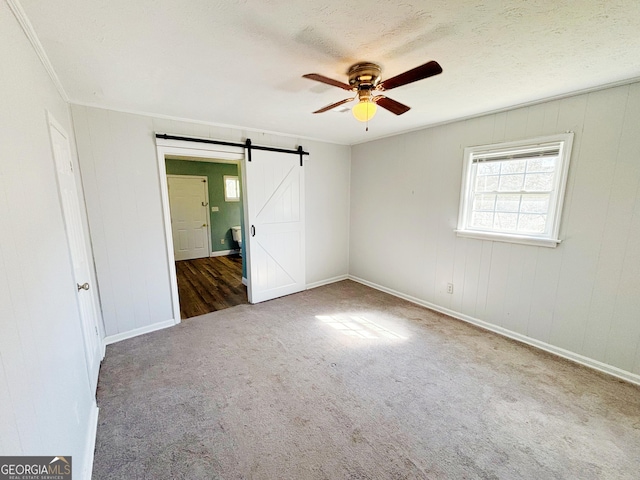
x=209, y=284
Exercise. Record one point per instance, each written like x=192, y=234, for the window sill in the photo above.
x=503, y=237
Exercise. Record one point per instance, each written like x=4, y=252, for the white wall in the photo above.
x=327, y=210
x=582, y=296
x=120, y=176
x=46, y=407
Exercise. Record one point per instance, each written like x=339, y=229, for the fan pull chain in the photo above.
x=367, y=129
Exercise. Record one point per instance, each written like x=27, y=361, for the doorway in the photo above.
x=206, y=221
x=271, y=185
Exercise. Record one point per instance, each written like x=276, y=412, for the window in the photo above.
x=514, y=191
x=231, y=189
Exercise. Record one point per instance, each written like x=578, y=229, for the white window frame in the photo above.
x=227, y=198
x=550, y=238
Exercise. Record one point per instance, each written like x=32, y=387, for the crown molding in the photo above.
x=561, y=96
x=204, y=122
x=24, y=22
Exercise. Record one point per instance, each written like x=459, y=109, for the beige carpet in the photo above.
x=345, y=382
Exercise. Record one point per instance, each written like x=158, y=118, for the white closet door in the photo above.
x=86, y=293
x=275, y=230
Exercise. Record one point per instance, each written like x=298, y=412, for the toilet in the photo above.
x=236, y=233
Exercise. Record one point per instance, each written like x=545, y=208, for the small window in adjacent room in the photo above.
x=514, y=191
x=231, y=189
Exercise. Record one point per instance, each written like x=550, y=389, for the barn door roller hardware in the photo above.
x=247, y=144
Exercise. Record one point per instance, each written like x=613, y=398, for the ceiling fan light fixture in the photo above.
x=364, y=110
x=364, y=80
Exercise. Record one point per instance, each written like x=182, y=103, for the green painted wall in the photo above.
x=230, y=213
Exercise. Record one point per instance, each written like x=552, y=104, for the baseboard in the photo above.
x=87, y=468
x=561, y=352
x=118, y=337
x=327, y=281
x=223, y=253
x=245, y=282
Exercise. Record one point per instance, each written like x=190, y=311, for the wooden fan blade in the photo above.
x=427, y=70
x=333, y=105
x=329, y=81
x=391, y=105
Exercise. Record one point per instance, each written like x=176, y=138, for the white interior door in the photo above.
x=189, y=204
x=86, y=292
x=275, y=230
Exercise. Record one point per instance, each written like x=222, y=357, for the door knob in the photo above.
x=204, y=225
x=84, y=286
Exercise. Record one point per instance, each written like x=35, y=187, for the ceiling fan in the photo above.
x=364, y=80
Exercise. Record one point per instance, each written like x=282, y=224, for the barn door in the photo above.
x=275, y=230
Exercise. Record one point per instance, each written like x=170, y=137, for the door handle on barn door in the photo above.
x=84, y=286
x=253, y=231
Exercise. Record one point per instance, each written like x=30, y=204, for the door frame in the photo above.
x=186, y=150
x=206, y=199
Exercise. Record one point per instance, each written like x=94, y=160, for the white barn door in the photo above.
x=86, y=293
x=275, y=229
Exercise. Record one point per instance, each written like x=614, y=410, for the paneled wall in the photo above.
x=120, y=176
x=46, y=403
x=581, y=297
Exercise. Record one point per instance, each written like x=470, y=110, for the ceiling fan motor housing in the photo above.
x=364, y=76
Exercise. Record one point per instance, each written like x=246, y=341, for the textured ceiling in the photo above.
x=240, y=62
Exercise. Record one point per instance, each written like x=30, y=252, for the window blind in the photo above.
x=548, y=151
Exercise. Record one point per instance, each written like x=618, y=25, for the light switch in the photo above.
x=215, y=209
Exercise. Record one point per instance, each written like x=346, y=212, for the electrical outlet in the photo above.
x=449, y=287
x=215, y=209
x=222, y=241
